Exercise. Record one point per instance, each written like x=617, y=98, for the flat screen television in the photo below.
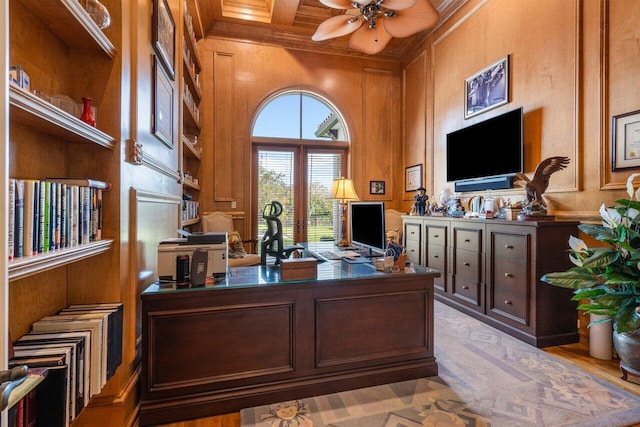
x=490, y=148
x=366, y=224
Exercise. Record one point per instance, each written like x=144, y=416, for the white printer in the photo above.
x=174, y=256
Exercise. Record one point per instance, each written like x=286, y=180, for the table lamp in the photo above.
x=343, y=191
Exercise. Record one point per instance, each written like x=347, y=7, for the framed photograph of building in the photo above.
x=625, y=137
x=376, y=187
x=487, y=89
x=162, y=104
x=413, y=177
x=164, y=35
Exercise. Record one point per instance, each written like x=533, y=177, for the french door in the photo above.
x=299, y=177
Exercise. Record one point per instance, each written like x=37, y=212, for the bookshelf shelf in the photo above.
x=191, y=150
x=190, y=78
x=27, y=266
x=190, y=121
x=190, y=222
x=191, y=184
x=28, y=109
x=71, y=23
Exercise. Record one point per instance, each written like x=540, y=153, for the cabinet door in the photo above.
x=508, y=278
x=436, y=253
x=413, y=241
x=466, y=266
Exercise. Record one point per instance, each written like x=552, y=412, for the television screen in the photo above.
x=366, y=221
x=489, y=148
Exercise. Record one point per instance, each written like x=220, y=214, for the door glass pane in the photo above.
x=276, y=182
x=322, y=214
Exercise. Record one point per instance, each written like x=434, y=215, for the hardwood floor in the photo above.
x=575, y=354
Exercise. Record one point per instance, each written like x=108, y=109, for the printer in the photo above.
x=175, y=254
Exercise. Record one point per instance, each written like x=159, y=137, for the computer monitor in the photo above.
x=366, y=224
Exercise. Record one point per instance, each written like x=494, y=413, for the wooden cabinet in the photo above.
x=490, y=269
x=190, y=107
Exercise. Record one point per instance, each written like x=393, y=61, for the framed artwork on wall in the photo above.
x=625, y=137
x=164, y=35
x=413, y=177
x=162, y=104
x=376, y=187
x=487, y=89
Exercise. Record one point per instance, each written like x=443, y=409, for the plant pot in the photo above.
x=627, y=346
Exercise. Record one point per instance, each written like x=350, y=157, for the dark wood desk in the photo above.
x=254, y=339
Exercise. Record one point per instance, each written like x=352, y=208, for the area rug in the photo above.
x=486, y=378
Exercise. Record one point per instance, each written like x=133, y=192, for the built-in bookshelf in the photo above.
x=191, y=97
x=65, y=54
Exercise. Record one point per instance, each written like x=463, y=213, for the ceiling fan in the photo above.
x=375, y=22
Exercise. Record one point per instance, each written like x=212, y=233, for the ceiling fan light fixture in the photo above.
x=385, y=19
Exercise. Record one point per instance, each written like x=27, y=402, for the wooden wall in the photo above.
x=240, y=76
x=572, y=68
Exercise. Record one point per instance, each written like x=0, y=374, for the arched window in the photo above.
x=300, y=145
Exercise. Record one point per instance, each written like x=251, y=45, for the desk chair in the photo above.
x=272, y=241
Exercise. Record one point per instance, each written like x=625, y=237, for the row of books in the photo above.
x=81, y=347
x=54, y=213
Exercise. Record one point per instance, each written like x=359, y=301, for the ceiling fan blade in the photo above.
x=398, y=4
x=337, y=4
x=370, y=40
x=337, y=26
x=407, y=22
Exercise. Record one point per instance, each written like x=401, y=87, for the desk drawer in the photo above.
x=467, y=290
x=509, y=289
x=467, y=264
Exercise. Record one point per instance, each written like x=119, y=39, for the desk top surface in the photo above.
x=269, y=275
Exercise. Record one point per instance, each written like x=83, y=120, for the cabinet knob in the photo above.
x=507, y=302
x=508, y=246
x=412, y=250
x=467, y=240
x=466, y=288
x=508, y=275
x=436, y=256
x=435, y=236
x=466, y=264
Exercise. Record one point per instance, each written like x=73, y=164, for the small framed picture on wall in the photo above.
x=625, y=136
x=413, y=177
x=376, y=187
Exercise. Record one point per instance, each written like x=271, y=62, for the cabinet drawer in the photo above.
x=468, y=239
x=467, y=264
x=436, y=257
x=412, y=232
x=510, y=246
x=509, y=289
x=437, y=235
x=467, y=290
x=413, y=251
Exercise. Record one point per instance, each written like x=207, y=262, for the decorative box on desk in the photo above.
x=299, y=269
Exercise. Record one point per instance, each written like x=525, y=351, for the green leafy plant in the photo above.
x=608, y=276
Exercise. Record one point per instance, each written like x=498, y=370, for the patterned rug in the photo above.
x=486, y=378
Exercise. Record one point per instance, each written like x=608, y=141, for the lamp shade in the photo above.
x=343, y=190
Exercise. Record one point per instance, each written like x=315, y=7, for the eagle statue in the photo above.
x=535, y=187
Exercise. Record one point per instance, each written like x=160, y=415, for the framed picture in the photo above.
x=376, y=187
x=626, y=140
x=487, y=89
x=164, y=35
x=162, y=104
x=413, y=177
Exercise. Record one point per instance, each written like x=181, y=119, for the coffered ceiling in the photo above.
x=291, y=23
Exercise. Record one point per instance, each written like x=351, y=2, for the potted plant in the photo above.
x=607, y=277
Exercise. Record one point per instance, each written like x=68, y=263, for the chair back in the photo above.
x=217, y=222
x=272, y=240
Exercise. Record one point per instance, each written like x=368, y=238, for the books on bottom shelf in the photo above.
x=61, y=383
x=23, y=411
x=104, y=322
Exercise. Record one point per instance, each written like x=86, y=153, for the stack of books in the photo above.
x=81, y=347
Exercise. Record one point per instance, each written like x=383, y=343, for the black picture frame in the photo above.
x=413, y=177
x=625, y=139
x=487, y=89
x=376, y=187
x=163, y=93
x=164, y=36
